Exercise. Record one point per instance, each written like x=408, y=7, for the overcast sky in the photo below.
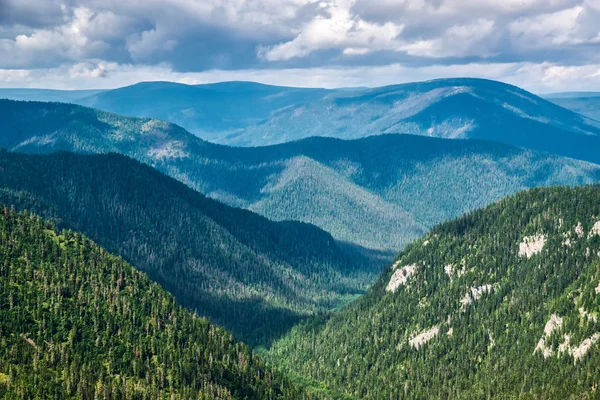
x=541, y=45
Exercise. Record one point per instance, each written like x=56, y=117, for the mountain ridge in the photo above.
x=363, y=187
x=451, y=108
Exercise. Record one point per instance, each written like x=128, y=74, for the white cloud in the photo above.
x=18, y=76
x=540, y=78
x=149, y=43
x=457, y=41
x=336, y=29
x=81, y=36
x=547, y=30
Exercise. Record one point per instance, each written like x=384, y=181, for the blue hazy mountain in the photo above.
x=63, y=96
x=379, y=192
x=586, y=103
x=216, y=112
x=249, y=114
x=570, y=95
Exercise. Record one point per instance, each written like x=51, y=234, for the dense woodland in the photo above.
x=484, y=346
x=253, y=276
x=77, y=322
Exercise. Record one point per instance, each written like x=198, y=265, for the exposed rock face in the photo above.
x=170, y=150
x=532, y=245
x=424, y=337
x=401, y=276
x=595, y=229
x=586, y=315
x=474, y=294
x=577, y=352
x=584, y=347
x=579, y=229
x=449, y=269
x=553, y=323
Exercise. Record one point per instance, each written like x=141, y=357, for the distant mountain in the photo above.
x=570, y=95
x=253, y=276
x=80, y=323
x=247, y=114
x=380, y=192
x=588, y=105
x=212, y=111
x=63, y=96
x=502, y=303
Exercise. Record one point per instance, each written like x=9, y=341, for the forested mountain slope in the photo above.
x=79, y=323
x=502, y=303
x=253, y=276
x=379, y=192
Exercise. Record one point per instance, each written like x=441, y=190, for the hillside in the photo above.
x=79, y=323
x=588, y=105
x=258, y=115
x=253, y=276
x=379, y=192
x=502, y=303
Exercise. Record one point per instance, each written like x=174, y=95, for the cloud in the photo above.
x=83, y=34
x=539, y=78
x=190, y=37
x=336, y=28
x=148, y=43
x=457, y=41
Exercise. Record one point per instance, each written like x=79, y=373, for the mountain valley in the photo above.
x=253, y=276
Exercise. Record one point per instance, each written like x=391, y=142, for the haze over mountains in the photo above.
x=62, y=96
x=379, y=192
x=584, y=103
x=252, y=114
x=248, y=114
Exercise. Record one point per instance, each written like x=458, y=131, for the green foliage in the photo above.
x=485, y=348
x=253, y=276
x=77, y=322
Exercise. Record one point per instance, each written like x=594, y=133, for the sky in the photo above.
x=541, y=45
